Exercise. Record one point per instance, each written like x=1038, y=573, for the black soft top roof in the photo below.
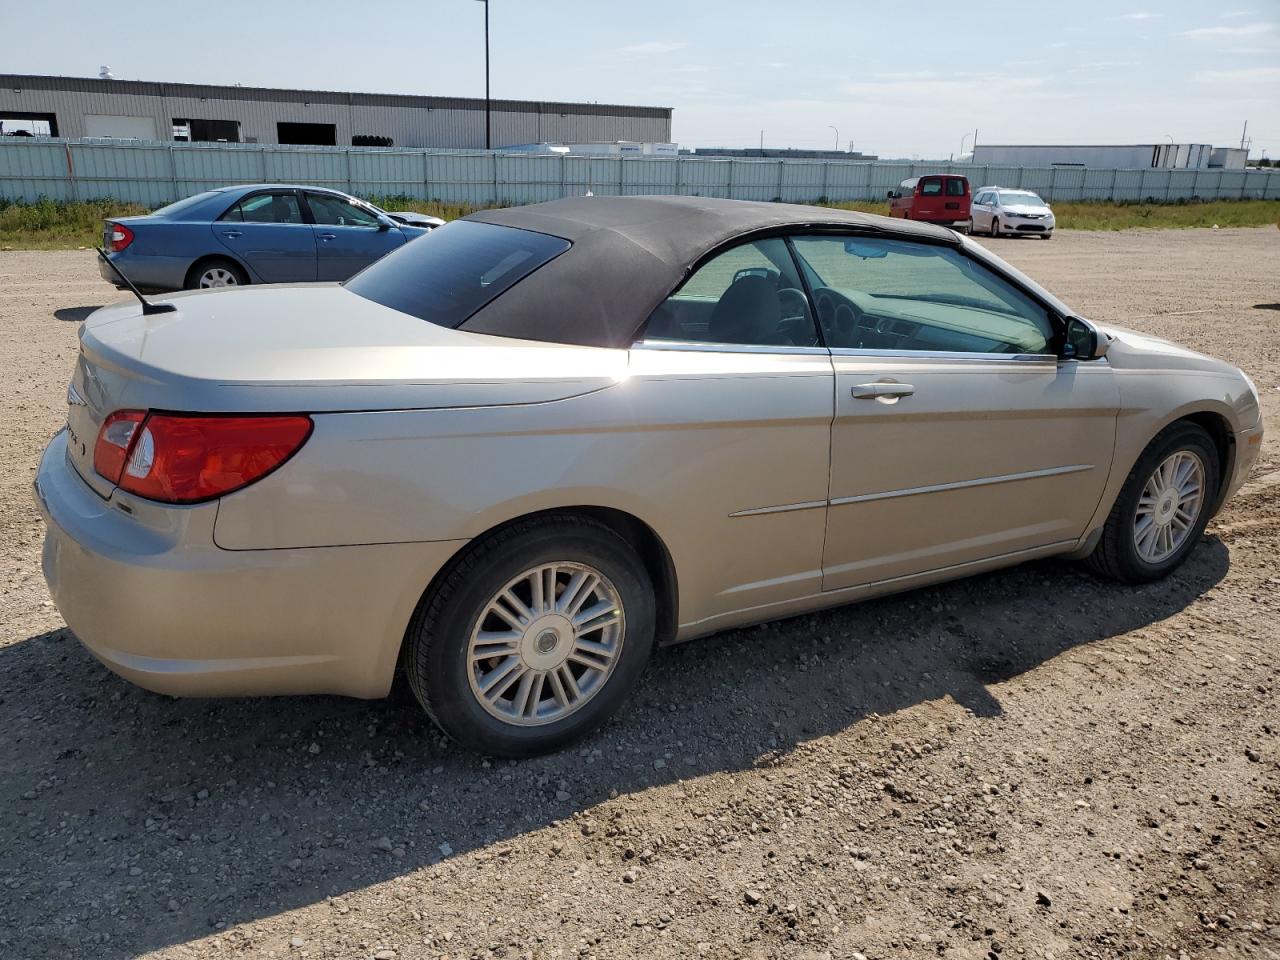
x=630, y=253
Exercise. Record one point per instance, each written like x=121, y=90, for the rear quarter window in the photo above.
x=447, y=275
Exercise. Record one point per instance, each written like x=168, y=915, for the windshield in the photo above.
x=1019, y=199
x=180, y=206
x=448, y=274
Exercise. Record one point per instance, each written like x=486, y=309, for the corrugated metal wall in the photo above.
x=153, y=174
x=421, y=122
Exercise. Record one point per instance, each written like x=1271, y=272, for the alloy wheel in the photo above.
x=218, y=277
x=545, y=644
x=1169, y=506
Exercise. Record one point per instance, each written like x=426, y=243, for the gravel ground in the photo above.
x=1032, y=763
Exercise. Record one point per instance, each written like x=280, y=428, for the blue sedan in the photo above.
x=263, y=233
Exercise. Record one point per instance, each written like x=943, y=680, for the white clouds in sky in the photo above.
x=1232, y=33
x=652, y=47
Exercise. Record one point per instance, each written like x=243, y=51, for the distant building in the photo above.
x=1168, y=156
x=782, y=153
x=142, y=110
x=619, y=148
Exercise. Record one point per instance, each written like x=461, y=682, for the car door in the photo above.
x=959, y=435
x=348, y=237
x=930, y=202
x=981, y=211
x=736, y=395
x=266, y=231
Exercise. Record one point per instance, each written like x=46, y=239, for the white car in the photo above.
x=1001, y=211
x=413, y=219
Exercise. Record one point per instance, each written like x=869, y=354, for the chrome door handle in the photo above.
x=327, y=236
x=875, y=391
x=232, y=234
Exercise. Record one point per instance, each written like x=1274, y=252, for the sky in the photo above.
x=893, y=79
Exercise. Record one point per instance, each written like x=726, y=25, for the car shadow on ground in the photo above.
x=75, y=314
x=133, y=822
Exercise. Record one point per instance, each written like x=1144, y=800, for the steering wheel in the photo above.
x=794, y=303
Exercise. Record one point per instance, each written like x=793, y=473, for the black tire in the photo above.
x=1116, y=555
x=192, y=281
x=994, y=231
x=436, y=657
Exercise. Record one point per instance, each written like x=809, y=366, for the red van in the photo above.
x=937, y=198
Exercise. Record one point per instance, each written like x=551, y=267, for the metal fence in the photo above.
x=155, y=173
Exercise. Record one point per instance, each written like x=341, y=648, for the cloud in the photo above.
x=690, y=68
x=774, y=64
x=1236, y=13
x=907, y=75
x=1059, y=45
x=1138, y=16
x=1249, y=30
x=1247, y=75
x=652, y=47
x=958, y=90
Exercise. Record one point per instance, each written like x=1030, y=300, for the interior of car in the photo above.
x=869, y=294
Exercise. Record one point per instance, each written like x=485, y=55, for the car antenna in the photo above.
x=148, y=307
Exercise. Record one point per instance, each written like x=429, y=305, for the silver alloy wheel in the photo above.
x=1169, y=506
x=545, y=644
x=218, y=277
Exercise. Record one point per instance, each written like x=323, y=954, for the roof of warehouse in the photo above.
x=149, y=88
x=629, y=253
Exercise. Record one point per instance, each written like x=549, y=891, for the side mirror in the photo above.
x=384, y=225
x=892, y=195
x=1083, y=341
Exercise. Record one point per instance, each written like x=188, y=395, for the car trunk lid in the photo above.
x=314, y=348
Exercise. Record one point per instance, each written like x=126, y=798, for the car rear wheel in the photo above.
x=533, y=637
x=217, y=272
x=1162, y=509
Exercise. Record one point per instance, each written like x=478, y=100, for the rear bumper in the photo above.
x=150, y=273
x=159, y=604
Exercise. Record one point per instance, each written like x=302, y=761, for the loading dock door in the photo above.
x=122, y=128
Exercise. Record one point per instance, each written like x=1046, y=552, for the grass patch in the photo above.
x=1127, y=216
x=51, y=225
x=48, y=225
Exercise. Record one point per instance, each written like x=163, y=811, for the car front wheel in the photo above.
x=1162, y=509
x=533, y=637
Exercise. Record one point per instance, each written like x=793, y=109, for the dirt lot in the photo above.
x=1027, y=764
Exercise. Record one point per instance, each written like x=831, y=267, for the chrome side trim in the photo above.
x=1045, y=358
x=701, y=346
x=781, y=508
x=962, y=484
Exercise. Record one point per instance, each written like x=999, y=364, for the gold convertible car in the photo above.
x=515, y=455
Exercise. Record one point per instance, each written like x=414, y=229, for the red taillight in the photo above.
x=114, y=440
x=176, y=458
x=118, y=236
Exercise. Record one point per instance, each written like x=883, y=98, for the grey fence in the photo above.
x=155, y=173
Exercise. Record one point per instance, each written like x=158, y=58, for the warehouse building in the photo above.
x=1165, y=156
x=143, y=110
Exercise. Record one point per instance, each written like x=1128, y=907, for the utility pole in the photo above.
x=1243, y=133
x=488, y=128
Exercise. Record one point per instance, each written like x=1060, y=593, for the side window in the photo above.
x=266, y=208
x=931, y=187
x=955, y=187
x=336, y=212
x=750, y=294
x=879, y=294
